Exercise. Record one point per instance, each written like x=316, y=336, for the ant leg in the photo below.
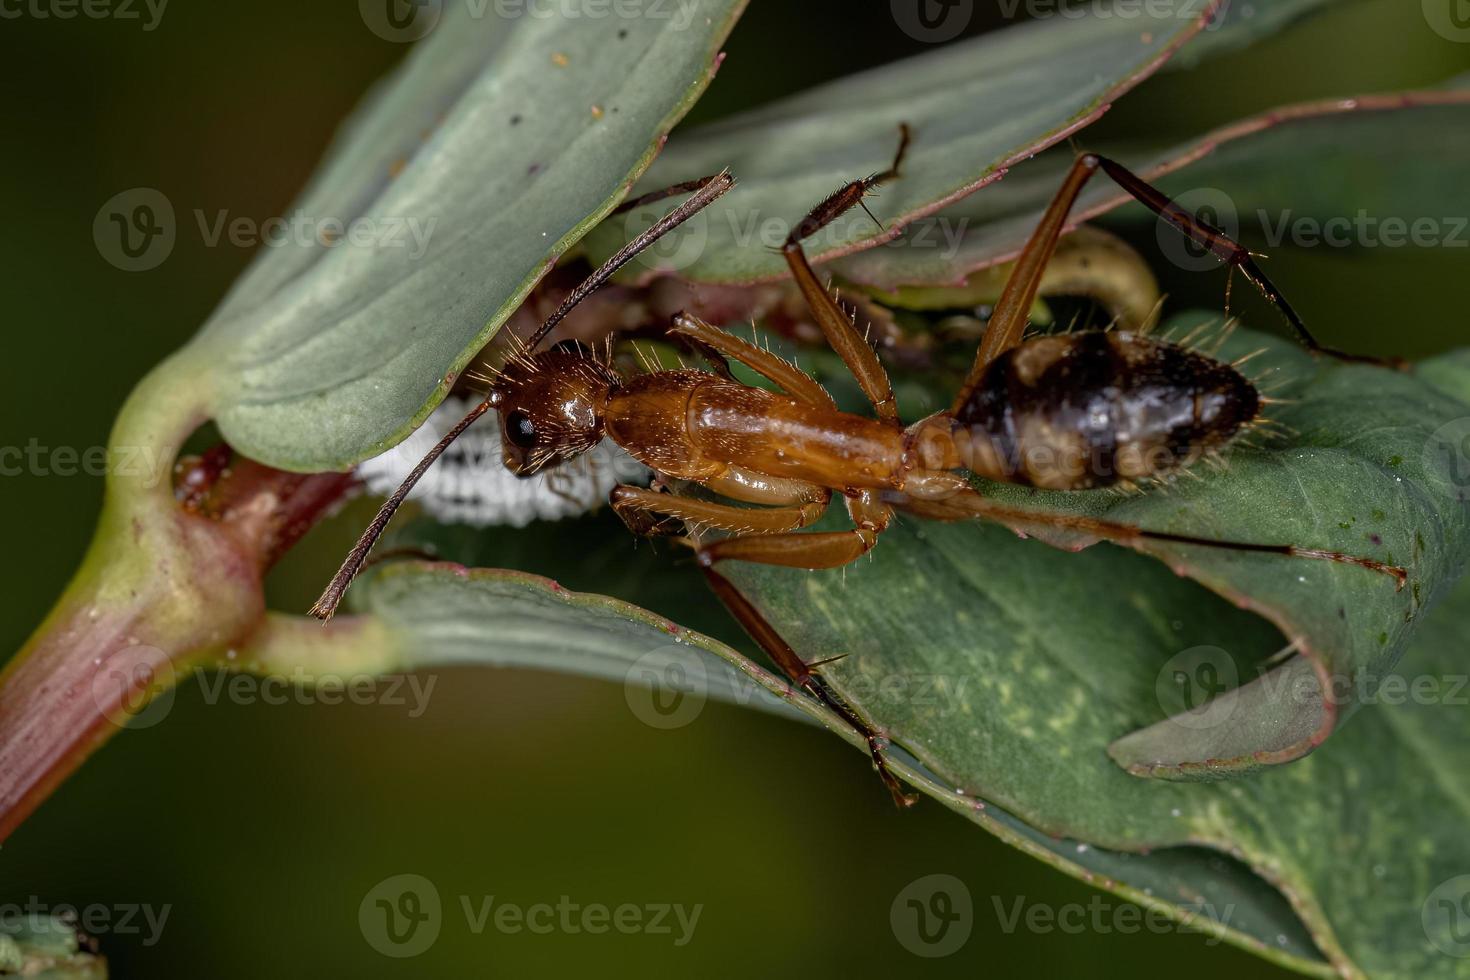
x=835, y=322
x=754, y=487
x=792, y=379
x=969, y=503
x=635, y=505
x=1013, y=310
x=825, y=550
x=801, y=675
x=1227, y=250
x=1008, y=323
x=674, y=190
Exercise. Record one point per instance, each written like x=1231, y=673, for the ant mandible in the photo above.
x=1069, y=412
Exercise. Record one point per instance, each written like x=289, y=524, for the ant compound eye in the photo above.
x=519, y=429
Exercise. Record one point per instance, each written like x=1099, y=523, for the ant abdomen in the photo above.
x=1096, y=409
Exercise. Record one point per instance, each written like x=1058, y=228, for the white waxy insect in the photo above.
x=470, y=484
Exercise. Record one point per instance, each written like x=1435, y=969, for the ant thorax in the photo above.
x=1099, y=409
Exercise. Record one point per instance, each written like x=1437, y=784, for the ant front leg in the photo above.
x=792, y=379
x=836, y=324
x=641, y=509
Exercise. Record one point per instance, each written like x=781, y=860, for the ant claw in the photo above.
x=901, y=799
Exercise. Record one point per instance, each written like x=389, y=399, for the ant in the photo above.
x=1062, y=412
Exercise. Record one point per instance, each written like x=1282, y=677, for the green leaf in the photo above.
x=414, y=615
x=976, y=108
x=1322, y=160
x=497, y=145
x=46, y=948
x=990, y=658
x=1041, y=683
x=1242, y=23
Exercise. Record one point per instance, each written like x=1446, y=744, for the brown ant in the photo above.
x=1069, y=412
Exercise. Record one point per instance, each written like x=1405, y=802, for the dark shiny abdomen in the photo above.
x=1094, y=409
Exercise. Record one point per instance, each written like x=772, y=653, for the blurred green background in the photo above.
x=262, y=827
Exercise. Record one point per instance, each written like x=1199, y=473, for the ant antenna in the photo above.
x=710, y=190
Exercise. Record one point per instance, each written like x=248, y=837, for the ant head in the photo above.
x=550, y=406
